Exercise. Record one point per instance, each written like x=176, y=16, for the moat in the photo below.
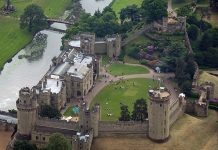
x=22, y=72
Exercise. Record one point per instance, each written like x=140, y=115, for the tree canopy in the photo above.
x=58, y=142
x=193, y=32
x=33, y=18
x=131, y=13
x=140, y=110
x=24, y=145
x=154, y=9
x=50, y=112
x=124, y=114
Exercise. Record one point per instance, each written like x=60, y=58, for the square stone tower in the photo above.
x=87, y=43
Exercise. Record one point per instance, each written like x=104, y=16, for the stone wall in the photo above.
x=107, y=128
x=54, y=123
x=100, y=47
x=177, y=109
x=4, y=126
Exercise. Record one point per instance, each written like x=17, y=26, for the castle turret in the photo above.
x=95, y=117
x=87, y=43
x=158, y=114
x=113, y=45
x=26, y=114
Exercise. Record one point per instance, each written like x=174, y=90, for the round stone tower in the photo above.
x=26, y=112
x=158, y=114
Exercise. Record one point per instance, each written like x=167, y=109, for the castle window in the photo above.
x=24, y=102
x=43, y=138
x=160, y=105
x=78, y=93
x=37, y=137
x=78, y=84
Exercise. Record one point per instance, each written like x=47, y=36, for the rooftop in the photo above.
x=159, y=93
x=75, y=43
x=54, y=85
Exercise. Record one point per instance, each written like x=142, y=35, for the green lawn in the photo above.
x=202, y=3
x=12, y=38
x=121, y=92
x=120, y=4
x=52, y=8
x=123, y=69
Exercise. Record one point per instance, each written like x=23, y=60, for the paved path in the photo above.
x=105, y=81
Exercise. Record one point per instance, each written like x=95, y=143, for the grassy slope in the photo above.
x=206, y=77
x=123, y=69
x=12, y=38
x=119, y=4
x=141, y=40
x=123, y=92
x=188, y=133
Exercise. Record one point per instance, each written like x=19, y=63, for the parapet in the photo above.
x=159, y=94
x=26, y=99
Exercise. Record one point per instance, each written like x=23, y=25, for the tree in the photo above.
x=184, y=11
x=140, y=110
x=214, y=5
x=186, y=87
x=24, y=145
x=124, y=114
x=58, y=142
x=33, y=19
x=193, y=32
x=154, y=9
x=130, y=12
x=50, y=112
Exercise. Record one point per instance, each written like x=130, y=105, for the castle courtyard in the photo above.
x=121, y=92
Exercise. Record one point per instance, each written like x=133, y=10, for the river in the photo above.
x=21, y=72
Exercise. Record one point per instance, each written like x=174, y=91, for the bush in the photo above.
x=50, y=112
x=193, y=32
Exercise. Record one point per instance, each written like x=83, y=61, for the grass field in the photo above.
x=121, y=92
x=12, y=38
x=188, y=133
x=52, y=8
x=206, y=77
x=120, y=4
x=123, y=69
x=176, y=4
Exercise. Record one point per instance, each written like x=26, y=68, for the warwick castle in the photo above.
x=71, y=77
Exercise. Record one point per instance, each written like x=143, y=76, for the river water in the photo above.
x=23, y=72
x=91, y=6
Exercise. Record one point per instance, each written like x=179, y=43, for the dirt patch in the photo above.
x=187, y=133
x=5, y=137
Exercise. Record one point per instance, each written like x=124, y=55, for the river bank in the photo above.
x=21, y=73
x=13, y=39
x=5, y=137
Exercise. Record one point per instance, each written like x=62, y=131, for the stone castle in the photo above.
x=70, y=77
x=89, y=44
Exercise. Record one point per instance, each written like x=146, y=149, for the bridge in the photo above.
x=59, y=21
